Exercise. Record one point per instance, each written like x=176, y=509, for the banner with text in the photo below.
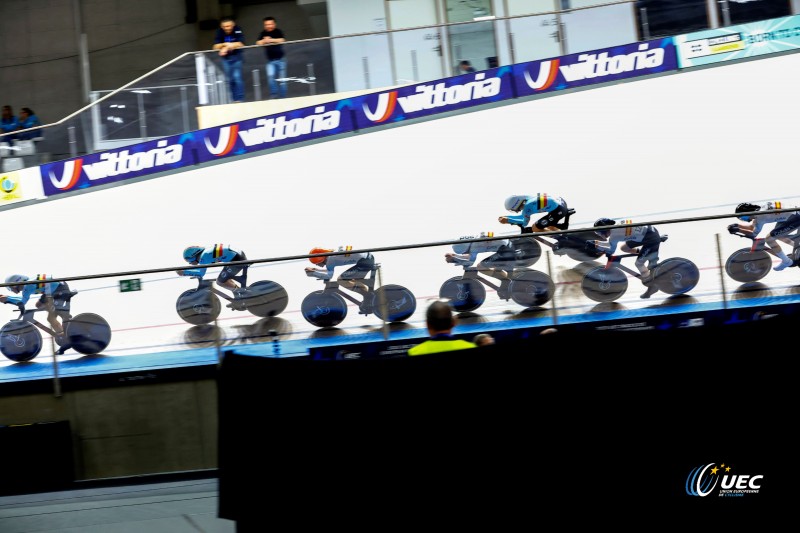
x=116, y=165
x=596, y=66
x=738, y=42
x=432, y=97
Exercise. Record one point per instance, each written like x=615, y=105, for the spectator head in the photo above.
x=227, y=24
x=7, y=111
x=439, y=317
x=269, y=23
x=483, y=339
x=26, y=112
x=465, y=66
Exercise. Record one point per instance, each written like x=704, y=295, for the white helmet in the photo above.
x=515, y=203
x=16, y=278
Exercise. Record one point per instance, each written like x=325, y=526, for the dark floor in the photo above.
x=169, y=507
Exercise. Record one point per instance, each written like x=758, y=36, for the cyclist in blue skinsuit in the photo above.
x=785, y=223
x=55, y=297
x=554, y=207
x=504, y=257
x=218, y=253
x=352, y=278
x=645, y=241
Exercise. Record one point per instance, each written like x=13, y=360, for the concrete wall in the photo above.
x=130, y=430
x=40, y=68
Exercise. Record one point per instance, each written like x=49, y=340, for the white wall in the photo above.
x=669, y=147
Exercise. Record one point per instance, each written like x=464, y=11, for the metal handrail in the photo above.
x=300, y=41
x=408, y=246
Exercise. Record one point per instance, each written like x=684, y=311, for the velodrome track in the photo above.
x=685, y=145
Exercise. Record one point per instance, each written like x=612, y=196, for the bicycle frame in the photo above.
x=616, y=260
x=210, y=284
x=369, y=280
x=26, y=315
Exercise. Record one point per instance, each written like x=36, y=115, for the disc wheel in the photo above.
x=746, y=266
x=531, y=288
x=603, y=284
x=323, y=309
x=676, y=276
x=399, y=303
x=266, y=298
x=527, y=251
x=20, y=341
x=198, y=306
x=464, y=294
x=88, y=333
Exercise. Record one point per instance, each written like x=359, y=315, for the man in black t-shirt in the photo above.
x=228, y=40
x=276, y=61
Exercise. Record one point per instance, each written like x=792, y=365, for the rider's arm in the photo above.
x=23, y=297
x=520, y=220
x=320, y=273
x=196, y=271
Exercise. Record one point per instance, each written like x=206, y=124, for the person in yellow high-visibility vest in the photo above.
x=440, y=321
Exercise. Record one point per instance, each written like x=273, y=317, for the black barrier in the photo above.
x=36, y=457
x=618, y=417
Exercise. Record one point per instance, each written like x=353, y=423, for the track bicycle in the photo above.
x=201, y=305
x=21, y=341
x=609, y=282
x=752, y=263
x=327, y=308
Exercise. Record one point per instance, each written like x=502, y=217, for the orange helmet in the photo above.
x=319, y=260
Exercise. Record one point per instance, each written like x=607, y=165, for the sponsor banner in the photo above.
x=117, y=165
x=10, y=187
x=20, y=185
x=596, y=66
x=737, y=42
x=432, y=97
x=273, y=131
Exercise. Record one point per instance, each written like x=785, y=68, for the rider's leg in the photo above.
x=775, y=249
x=645, y=262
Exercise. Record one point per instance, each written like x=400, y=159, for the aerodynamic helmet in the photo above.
x=745, y=207
x=192, y=253
x=16, y=278
x=319, y=260
x=515, y=203
x=603, y=222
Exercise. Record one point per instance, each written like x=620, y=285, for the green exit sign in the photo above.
x=129, y=285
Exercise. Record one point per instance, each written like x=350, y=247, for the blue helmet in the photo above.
x=192, y=253
x=16, y=278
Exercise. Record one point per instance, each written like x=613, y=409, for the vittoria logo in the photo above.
x=69, y=175
x=428, y=97
x=225, y=142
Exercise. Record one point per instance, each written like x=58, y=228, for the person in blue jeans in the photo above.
x=276, y=58
x=228, y=41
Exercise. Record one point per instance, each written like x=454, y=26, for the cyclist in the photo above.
x=218, y=253
x=751, y=226
x=641, y=240
x=55, y=297
x=555, y=209
x=353, y=277
x=505, y=257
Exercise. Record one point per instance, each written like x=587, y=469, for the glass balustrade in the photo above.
x=166, y=101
